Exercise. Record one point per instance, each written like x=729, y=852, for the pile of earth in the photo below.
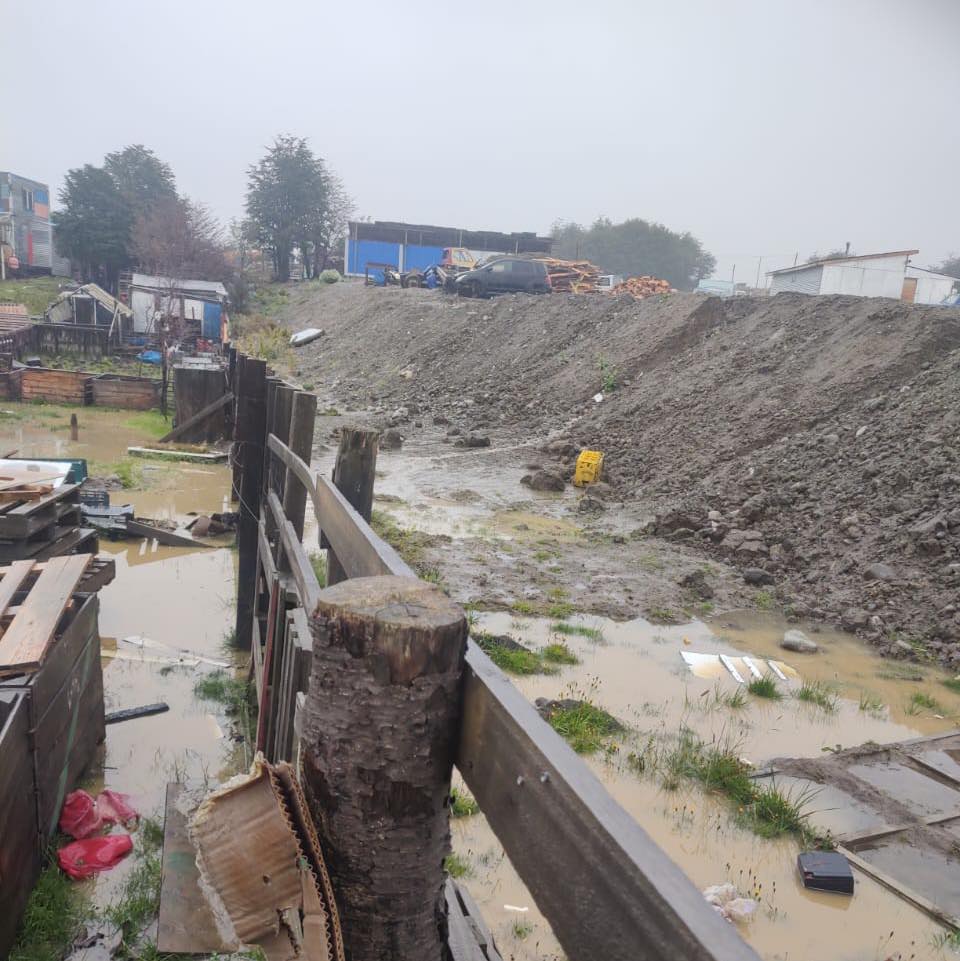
x=811, y=441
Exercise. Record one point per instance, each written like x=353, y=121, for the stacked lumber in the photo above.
x=40, y=520
x=571, y=276
x=640, y=287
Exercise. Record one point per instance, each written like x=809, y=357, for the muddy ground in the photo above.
x=812, y=442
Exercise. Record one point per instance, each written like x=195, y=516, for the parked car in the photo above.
x=504, y=275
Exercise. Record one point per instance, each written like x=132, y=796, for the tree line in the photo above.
x=128, y=213
x=635, y=248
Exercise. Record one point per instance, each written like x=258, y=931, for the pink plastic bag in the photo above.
x=83, y=816
x=115, y=808
x=79, y=817
x=83, y=859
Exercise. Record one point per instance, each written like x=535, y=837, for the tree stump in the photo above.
x=379, y=737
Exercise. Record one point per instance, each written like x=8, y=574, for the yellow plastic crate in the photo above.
x=588, y=469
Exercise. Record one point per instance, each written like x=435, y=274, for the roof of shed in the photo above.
x=171, y=283
x=842, y=260
x=99, y=295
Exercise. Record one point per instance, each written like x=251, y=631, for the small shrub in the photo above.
x=521, y=929
x=919, y=702
x=329, y=277
x=764, y=600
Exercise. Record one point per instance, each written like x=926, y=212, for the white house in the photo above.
x=871, y=275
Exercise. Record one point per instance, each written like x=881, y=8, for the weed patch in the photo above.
x=581, y=630
x=149, y=422
x=920, y=702
x=236, y=696
x=318, y=561
x=765, y=687
x=457, y=865
x=872, y=705
x=823, y=696
x=585, y=727
x=55, y=912
x=559, y=653
x=517, y=660
x=953, y=684
x=764, y=601
x=463, y=804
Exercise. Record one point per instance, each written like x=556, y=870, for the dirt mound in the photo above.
x=813, y=438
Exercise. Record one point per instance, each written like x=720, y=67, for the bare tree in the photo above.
x=181, y=238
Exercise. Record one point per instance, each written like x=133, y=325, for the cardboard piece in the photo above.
x=260, y=866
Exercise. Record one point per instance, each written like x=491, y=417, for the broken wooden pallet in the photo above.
x=24, y=644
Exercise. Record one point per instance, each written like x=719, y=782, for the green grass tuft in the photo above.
x=920, y=702
x=463, y=804
x=560, y=610
x=871, y=704
x=318, y=561
x=457, y=865
x=764, y=600
x=237, y=697
x=559, y=653
x=765, y=687
x=53, y=918
x=514, y=661
x=822, y=695
x=952, y=683
x=585, y=726
x=581, y=630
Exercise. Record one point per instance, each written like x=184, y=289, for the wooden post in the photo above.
x=302, y=419
x=353, y=475
x=280, y=427
x=379, y=735
x=248, y=452
x=238, y=405
x=74, y=428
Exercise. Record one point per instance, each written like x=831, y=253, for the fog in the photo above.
x=768, y=129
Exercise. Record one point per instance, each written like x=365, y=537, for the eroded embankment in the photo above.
x=813, y=441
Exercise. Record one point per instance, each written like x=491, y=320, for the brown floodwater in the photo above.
x=164, y=620
x=636, y=672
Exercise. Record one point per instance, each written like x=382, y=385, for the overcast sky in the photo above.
x=766, y=128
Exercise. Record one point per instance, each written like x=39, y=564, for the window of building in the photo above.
x=27, y=199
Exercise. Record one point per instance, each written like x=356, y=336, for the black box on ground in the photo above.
x=825, y=871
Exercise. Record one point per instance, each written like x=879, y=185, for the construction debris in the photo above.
x=640, y=287
x=572, y=276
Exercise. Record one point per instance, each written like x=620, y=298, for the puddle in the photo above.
x=177, y=598
x=638, y=675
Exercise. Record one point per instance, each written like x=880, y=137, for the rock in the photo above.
x=795, y=640
x=854, y=618
x=440, y=421
x=714, y=516
x=696, y=583
x=543, y=480
x=391, y=440
x=473, y=440
x=757, y=576
x=879, y=572
x=675, y=519
x=590, y=505
x=902, y=648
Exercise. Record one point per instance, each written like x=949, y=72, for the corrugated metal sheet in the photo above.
x=419, y=258
x=363, y=252
x=805, y=281
x=166, y=284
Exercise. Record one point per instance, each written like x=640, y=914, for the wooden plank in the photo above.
x=306, y=579
x=360, y=552
x=186, y=924
x=892, y=884
x=353, y=476
x=25, y=644
x=608, y=891
x=214, y=457
x=197, y=417
x=461, y=940
x=161, y=536
x=13, y=577
x=302, y=419
x=265, y=706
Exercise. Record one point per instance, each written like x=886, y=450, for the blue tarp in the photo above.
x=150, y=356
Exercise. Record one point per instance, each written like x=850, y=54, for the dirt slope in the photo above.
x=812, y=439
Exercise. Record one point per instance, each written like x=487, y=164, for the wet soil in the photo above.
x=824, y=427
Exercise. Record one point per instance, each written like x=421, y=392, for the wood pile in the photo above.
x=571, y=276
x=39, y=518
x=640, y=287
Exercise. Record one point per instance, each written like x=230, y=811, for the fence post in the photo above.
x=249, y=436
x=379, y=735
x=302, y=419
x=354, y=475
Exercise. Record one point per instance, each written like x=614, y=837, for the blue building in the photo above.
x=417, y=246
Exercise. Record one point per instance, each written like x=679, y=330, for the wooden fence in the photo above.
x=607, y=890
